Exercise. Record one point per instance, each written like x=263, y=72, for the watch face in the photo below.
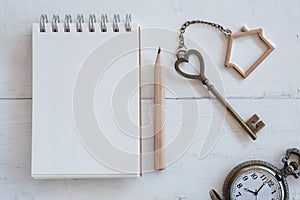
x=255, y=184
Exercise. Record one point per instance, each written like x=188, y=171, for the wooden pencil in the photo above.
x=159, y=115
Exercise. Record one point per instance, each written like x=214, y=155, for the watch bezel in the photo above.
x=254, y=164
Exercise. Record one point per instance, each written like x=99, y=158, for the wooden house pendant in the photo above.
x=246, y=32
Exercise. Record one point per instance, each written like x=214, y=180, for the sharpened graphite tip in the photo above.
x=158, y=50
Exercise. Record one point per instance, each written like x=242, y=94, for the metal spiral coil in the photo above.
x=55, y=20
x=43, y=20
x=80, y=20
x=92, y=21
x=127, y=23
x=116, y=21
x=68, y=20
x=103, y=23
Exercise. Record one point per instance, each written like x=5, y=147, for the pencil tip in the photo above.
x=158, y=50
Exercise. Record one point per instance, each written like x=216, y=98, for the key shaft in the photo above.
x=228, y=107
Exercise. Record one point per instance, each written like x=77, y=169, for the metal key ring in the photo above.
x=199, y=76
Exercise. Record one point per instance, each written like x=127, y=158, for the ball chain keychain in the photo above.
x=253, y=124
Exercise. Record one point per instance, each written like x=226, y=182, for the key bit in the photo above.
x=255, y=123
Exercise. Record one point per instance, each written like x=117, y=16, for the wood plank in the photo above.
x=276, y=77
x=196, y=175
x=274, y=90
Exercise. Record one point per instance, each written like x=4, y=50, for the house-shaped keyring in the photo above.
x=246, y=32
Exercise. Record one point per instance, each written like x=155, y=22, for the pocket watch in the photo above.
x=260, y=180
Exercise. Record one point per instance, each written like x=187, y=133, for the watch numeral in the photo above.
x=254, y=176
x=270, y=183
x=263, y=178
x=239, y=194
x=273, y=191
x=239, y=185
x=245, y=178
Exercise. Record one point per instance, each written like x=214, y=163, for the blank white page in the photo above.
x=85, y=119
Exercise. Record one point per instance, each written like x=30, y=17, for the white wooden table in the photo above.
x=272, y=91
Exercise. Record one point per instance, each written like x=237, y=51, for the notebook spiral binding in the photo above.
x=103, y=23
x=55, y=20
x=92, y=23
x=68, y=20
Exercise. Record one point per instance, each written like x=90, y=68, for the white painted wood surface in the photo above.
x=272, y=91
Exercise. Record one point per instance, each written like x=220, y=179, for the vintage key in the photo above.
x=251, y=126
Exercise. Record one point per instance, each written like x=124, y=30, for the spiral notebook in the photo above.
x=86, y=98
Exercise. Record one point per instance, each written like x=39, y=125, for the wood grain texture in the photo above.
x=159, y=114
x=196, y=176
x=272, y=91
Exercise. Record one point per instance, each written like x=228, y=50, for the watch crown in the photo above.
x=294, y=165
x=291, y=167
